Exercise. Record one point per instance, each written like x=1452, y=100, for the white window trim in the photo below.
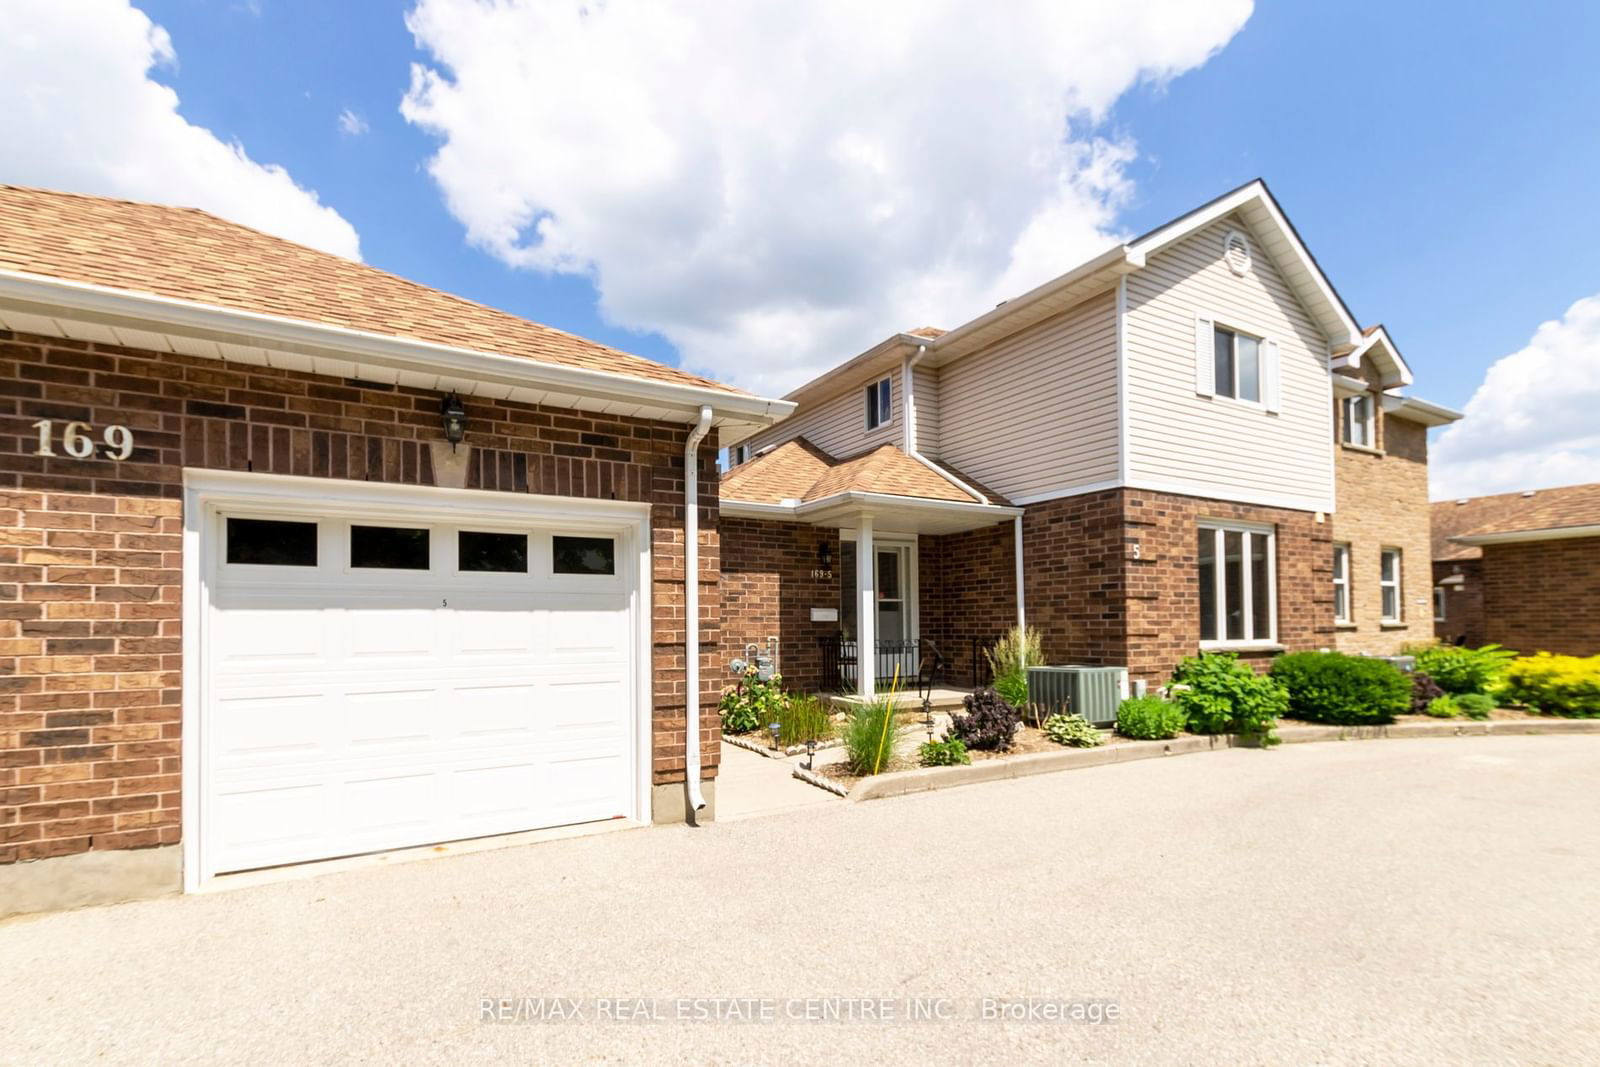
x=1395, y=582
x=1369, y=425
x=1341, y=582
x=1261, y=355
x=883, y=412
x=1246, y=588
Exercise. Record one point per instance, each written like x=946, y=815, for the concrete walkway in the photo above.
x=751, y=785
x=1431, y=901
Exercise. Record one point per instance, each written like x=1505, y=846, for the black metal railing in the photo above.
x=841, y=660
x=982, y=675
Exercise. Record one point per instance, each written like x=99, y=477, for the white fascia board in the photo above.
x=1256, y=194
x=863, y=501
x=1416, y=409
x=1120, y=259
x=1554, y=533
x=272, y=331
x=1397, y=373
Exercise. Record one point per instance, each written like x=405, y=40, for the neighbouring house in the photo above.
x=1520, y=569
x=1185, y=443
x=300, y=559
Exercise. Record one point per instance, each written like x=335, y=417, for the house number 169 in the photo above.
x=77, y=442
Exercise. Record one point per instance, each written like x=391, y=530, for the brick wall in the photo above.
x=1383, y=502
x=90, y=555
x=1463, y=617
x=1543, y=596
x=768, y=590
x=1113, y=578
x=967, y=592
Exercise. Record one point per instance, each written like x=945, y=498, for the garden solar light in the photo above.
x=775, y=728
x=811, y=751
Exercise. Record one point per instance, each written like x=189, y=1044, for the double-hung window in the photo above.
x=880, y=401
x=1238, y=584
x=1358, y=421
x=1237, y=364
x=1341, y=583
x=1389, y=583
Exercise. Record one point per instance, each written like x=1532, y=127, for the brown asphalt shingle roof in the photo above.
x=799, y=470
x=1541, y=509
x=188, y=254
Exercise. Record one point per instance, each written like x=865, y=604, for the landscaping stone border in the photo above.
x=822, y=781
x=775, y=753
x=922, y=779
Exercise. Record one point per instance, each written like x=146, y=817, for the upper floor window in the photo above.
x=1389, y=583
x=1237, y=572
x=1341, y=583
x=1358, y=420
x=880, y=403
x=738, y=454
x=1237, y=362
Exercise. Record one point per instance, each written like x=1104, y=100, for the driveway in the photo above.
x=1400, y=901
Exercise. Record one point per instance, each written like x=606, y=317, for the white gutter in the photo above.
x=1553, y=533
x=1418, y=410
x=755, y=510
x=691, y=608
x=56, y=296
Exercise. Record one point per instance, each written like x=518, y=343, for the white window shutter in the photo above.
x=1205, y=367
x=1271, y=377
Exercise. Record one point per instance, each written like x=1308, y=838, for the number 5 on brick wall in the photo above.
x=78, y=444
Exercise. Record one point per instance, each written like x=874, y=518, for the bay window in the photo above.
x=1238, y=584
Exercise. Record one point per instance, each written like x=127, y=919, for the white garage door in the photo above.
x=384, y=682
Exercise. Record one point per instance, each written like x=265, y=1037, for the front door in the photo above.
x=897, y=647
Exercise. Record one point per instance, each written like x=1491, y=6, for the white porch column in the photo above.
x=866, y=610
x=1022, y=614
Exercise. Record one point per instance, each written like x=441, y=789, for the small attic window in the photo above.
x=1236, y=252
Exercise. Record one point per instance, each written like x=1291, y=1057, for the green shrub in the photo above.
x=948, y=753
x=1443, y=707
x=1149, y=719
x=1464, y=670
x=1423, y=690
x=1345, y=690
x=1475, y=705
x=990, y=722
x=1073, y=730
x=752, y=704
x=1556, y=685
x=1009, y=661
x=1220, y=695
x=803, y=718
x=869, y=736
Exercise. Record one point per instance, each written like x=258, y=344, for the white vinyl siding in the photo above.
x=1037, y=412
x=925, y=385
x=1182, y=437
x=838, y=425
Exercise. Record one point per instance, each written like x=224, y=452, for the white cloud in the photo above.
x=82, y=113
x=1533, y=423
x=775, y=186
x=351, y=124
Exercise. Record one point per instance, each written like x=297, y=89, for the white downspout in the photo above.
x=907, y=366
x=1022, y=616
x=691, y=608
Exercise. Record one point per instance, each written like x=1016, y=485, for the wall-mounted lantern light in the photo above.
x=454, y=416
x=825, y=555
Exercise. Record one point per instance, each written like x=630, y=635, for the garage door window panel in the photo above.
x=402, y=548
x=271, y=542
x=584, y=555
x=489, y=552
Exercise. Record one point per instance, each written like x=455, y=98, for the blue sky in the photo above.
x=1438, y=159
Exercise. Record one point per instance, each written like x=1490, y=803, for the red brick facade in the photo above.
x=1543, y=596
x=1462, y=582
x=91, y=555
x=768, y=590
x=967, y=594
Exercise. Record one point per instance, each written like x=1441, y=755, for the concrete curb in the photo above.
x=923, y=779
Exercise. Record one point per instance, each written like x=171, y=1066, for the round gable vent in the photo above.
x=1236, y=250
